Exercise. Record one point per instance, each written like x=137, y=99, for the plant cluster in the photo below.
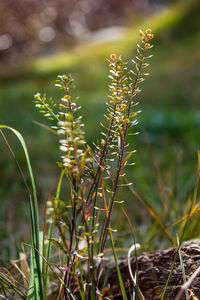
x=83, y=215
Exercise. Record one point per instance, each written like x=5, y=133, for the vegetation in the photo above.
x=165, y=164
x=83, y=217
x=169, y=128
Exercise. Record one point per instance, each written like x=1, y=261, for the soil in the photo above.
x=153, y=271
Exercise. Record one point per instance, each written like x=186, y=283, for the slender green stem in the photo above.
x=52, y=226
x=117, y=266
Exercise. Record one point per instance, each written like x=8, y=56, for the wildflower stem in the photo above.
x=121, y=154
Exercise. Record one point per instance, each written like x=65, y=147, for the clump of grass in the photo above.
x=82, y=211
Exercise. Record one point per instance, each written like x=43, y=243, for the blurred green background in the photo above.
x=38, y=41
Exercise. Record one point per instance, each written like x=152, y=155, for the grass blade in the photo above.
x=153, y=214
x=5, y=280
x=33, y=206
x=186, y=223
x=33, y=289
x=50, y=233
x=117, y=267
x=183, y=270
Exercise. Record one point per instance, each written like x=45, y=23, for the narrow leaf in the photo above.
x=126, y=158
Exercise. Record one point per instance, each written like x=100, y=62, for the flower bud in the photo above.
x=67, y=97
x=147, y=46
x=144, y=39
x=103, y=142
x=113, y=56
x=148, y=31
x=126, y=121
x=123, y=106
x=141, y=33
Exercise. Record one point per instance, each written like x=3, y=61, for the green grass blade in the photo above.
x=117, y=267
x=5, y=281
x=33, y=291
x=33, y=207
x=185, y=225
x=50, y=233
x=183, y=270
